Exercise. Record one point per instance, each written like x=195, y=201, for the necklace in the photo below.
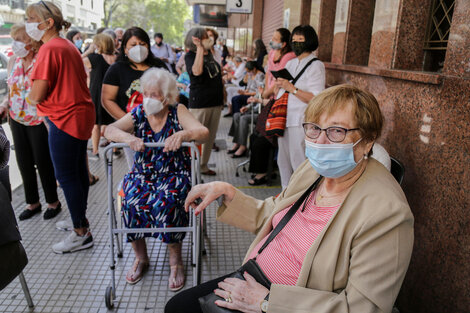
x=322, y=196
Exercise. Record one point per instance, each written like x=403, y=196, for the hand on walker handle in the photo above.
x=137, y=144
x=201, y=196
x=174, y=142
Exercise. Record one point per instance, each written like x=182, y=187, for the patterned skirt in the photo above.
x=158, y=202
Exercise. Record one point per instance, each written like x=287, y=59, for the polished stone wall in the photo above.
x=427, y=127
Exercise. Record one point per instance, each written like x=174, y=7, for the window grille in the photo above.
x=439, y=24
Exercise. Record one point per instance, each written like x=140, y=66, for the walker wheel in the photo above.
x=119, y=255
x=109, y=298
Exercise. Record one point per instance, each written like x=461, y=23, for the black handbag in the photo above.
x=207, y=302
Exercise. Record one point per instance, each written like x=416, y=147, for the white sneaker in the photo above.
x=73, y=242
x=65, y=225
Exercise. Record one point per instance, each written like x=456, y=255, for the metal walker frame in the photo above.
x=195, y=227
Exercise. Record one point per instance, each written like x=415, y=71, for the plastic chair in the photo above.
x=397, y=170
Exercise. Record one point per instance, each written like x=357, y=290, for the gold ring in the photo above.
x=229, y=298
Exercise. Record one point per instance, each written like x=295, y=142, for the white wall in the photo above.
x=83, y=13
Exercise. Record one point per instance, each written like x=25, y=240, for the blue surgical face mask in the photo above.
x=275, y=45
x=78, y=43
x=331, y=160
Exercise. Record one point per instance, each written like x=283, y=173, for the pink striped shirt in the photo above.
x=282, y=259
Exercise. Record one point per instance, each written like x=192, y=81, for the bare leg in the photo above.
x=176, y=280
x=140, y=249
x=141, y=262
x=53, y=205
x=95, y=138
x=91, y=178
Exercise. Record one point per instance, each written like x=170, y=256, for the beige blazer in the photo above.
x=358, y=263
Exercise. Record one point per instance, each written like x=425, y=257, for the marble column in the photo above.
x=458, y=56
x=325, y=28
x=358, y=35
x=411, y=28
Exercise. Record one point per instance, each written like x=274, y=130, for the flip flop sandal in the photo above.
x=136, y=272
x=172, y=281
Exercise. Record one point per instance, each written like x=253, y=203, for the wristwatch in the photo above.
x=295, y=91
x=264, y=304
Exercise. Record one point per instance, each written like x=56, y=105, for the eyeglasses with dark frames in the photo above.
x=333, y=133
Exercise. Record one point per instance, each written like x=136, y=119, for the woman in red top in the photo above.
x=61, y=94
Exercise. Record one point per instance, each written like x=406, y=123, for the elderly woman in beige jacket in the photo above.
x=356, y=258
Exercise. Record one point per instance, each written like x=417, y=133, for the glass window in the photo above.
x=437, y=34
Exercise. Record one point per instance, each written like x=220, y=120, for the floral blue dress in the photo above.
x=156, y=187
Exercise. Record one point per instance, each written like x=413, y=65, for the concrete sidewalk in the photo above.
x=77, y=282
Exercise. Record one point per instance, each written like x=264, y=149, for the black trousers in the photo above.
x=187, y=300
x=260, y=147
x=32, y=148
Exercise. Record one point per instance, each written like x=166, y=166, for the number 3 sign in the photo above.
x=239, y=6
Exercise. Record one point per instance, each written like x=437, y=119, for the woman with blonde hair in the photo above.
x=28, y=129
x=339, y=237
x=60, y=92
x=98, y=63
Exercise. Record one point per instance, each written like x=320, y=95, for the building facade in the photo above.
x=83, y=14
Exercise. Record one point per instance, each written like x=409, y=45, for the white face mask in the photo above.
x=207, y=44
x=152, y=106
x=19, y=49
x=138, y=53
x=34, y=32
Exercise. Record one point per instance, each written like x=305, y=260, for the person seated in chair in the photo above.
x=347, y=246
x=159, y=181
x=242, y=118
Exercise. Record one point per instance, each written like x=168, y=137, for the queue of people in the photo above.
x=354, y=221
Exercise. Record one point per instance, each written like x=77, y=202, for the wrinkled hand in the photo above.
x=137, y=144
x=284, y=84
x=174, y=142
x=241, y=91
x=246, y=295
x=3, y=111
x=196, y=41
x=206, y=192
x=243, y=109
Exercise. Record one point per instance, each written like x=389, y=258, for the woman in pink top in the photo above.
x=281, y=52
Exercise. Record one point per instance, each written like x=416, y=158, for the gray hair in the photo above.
x=119, y=29
x=161, y=80
x=198, y=32
x=110, y=32
x=238, y=59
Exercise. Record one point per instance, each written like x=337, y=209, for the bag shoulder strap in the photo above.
x=303, y=70
x=289, y=215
